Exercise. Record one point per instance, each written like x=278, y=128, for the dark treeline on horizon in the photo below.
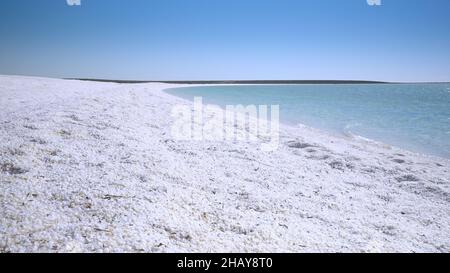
x=244, y=81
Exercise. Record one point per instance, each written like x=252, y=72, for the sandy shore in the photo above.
x=92, y=167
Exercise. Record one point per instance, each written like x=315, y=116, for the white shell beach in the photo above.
x=91, y=167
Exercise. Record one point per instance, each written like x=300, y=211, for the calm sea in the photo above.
x=412, y=116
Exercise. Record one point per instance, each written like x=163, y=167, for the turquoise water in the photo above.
x=412, y=116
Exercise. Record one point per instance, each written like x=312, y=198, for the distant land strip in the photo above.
x=243, y=81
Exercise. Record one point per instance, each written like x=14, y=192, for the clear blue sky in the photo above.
x=402, y=40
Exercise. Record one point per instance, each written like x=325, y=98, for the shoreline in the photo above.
x=342, y=135
x=91, y=167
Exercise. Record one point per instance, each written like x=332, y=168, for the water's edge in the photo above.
x=346, y=134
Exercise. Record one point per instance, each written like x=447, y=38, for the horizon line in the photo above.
x=257, y=81
x=289, y=81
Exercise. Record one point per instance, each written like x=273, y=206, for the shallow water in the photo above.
x=412, y=116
